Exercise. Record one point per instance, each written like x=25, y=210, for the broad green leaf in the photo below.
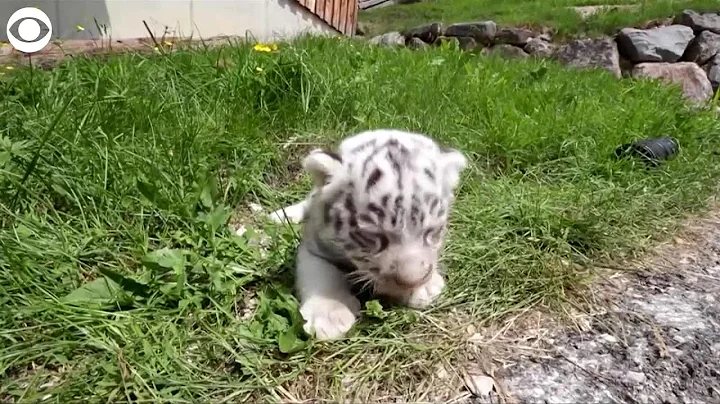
x=206, y=196
x=166, y=258
x=127, y=284
x=289, y=342
x=148, y=190
x=152, y=194
x=216, y=218
x=100, y=291
x=4, y=158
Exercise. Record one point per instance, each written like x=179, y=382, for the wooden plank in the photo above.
x=353, y=17
x=349, y=31
x=336, y=14
x=310, y=5
x=342, y=17
x=328, y=11
x=320, y=9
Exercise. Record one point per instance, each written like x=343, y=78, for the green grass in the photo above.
x=120, y=279
x=535, y=13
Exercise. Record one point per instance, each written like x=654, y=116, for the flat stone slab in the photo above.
x=662, y=44
x=592, y=53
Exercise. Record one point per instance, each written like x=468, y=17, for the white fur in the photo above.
x=293, y=213
x=327, y=303
x=423, y=296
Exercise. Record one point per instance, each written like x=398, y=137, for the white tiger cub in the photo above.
x=375, y=219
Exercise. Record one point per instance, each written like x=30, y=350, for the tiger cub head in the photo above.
x=383, y=205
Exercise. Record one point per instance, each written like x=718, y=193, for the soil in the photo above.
x=656, y=341
x=50, y=56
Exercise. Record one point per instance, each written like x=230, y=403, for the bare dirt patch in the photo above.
x=59, y=50
x=657, y=340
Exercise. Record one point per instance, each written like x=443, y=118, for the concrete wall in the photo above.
x=263, y=20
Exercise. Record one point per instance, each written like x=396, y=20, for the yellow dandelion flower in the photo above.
x=262, y=48
x=80, y=28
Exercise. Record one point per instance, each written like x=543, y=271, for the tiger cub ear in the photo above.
x=453, y=163
x=322, y=165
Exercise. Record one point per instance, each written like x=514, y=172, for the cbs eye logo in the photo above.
x=29, y=30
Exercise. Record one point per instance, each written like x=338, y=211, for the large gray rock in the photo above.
x=702, y=48
x=427, y=33
x=506, y=51
x=712, y=68
x=514, y=36
x=591, y=53
x=389, y=39
x=699, y=22
x=696, y=86
x=539, y=48
x=662, y=44
x=482, y=31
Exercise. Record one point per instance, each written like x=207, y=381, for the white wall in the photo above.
x=264, y=20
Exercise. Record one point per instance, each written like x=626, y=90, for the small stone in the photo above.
x=514, y=36
x=715, y=348
x=695, y=84
x=712, y=68
x=540, y=48
x=546, y=36
x=441, y=372
x=662, y=44
x=255, y=208
x=702, y=48
x=427, y=33
x=588, y=11
x=679, y=339
x=635, y=378
x=476, y=338
x=417, y=44
x=609, y=338
x=392, y=39
x=592, y=53
x=482, y=31
x=505, y=51
x=480, y=385
x=699, y=22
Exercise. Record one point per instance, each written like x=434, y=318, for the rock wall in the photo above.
x=685, y=50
